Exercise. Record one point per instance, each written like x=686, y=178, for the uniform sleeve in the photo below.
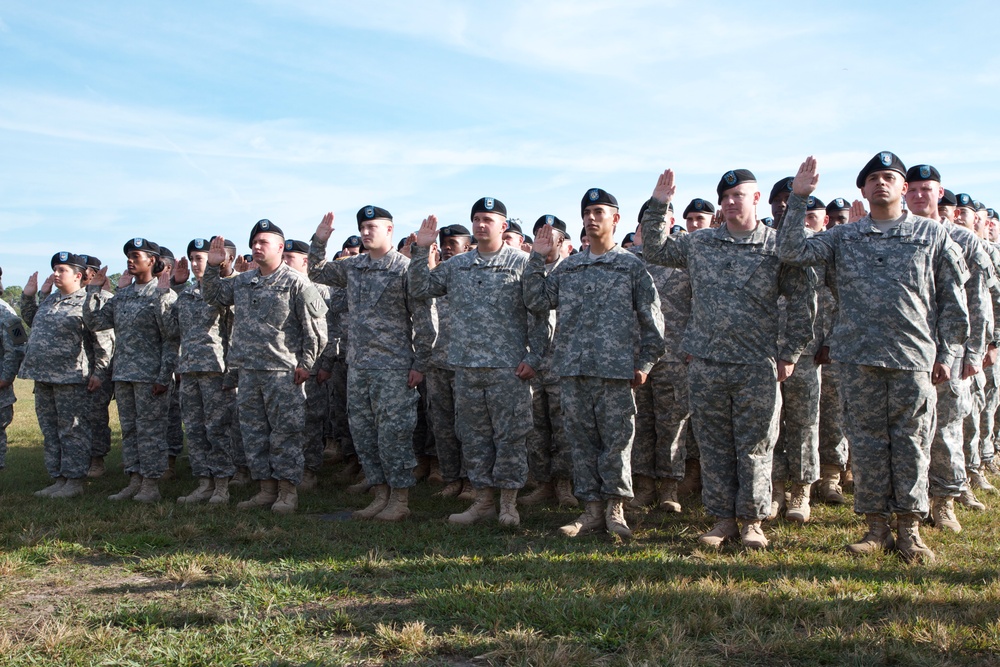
x=540, y=292
x=311, y=310
x=425, y=283
x=29, y=308
x=646, y=302
x=169, y=342
x=659, y=247
x=798, y=286
x=324, y=272
x=797, y=246
x=15, y=340
x=102, y=343
x=950, y=275
x=98, y=311
x=215, y=289
x=977, y=296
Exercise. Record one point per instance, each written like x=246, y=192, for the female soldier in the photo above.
x=144, y=359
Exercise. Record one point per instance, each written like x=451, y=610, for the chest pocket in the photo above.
x=369, y=286
x=269, y=305
x=873, y=258
x=134, y=309
x=496, y=285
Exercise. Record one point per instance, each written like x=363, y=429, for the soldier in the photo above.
x=902, y=321
x=390, y=337
x=549, y=451
x=489, y=350
x=595, y=358
x=778, y=200
x=204, y=332
x=99, y=413
x=175, y=431
x=13, y=340
x=143, y=364
x=513, y=235
x=56, y=359
x=947, y=205
x=838, y=212
x=736, y=367
x=279, y=330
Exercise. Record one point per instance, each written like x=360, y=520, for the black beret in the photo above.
x=948, y=198
x=371, y=213
x=399, y=246
x=992, y=213
x=452, y=231
x=768, y=221
x=197, y=245
x=698, y=206
x=528, y=239
x=553, y=222
x=922, y=172
x=141, y=244
x=838, y=204
x=597, y=197
x=302, y=247
x=167, y=254
x=68, y=259
x=677, y=229
x=514, y=225
x=91, y=261
x=489, y=205
x=629, y=238
x=351, y=242
x=732, y=178
x=884, y=161
x=964, y=201
x=265, y=226
x=814, y=204
x=980, y=206
x=784, y=185
x=226, y=242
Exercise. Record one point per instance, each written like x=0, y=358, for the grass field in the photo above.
x=98, y=583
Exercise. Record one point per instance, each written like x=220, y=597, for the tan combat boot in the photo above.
x=483, y=508
x=508, y=508
x=241, y=478
x=134, y=482
x=57, y=483
x=265, y=497
x=828, y=488
x=667, y=498
x=878, y=537
x=96, y=467
x=200, y=494
x=943, y=514
x=361, y=488
x=398, y=507
x=777, y=500
x=71, y=489
x=434, y=476
x=288, y=498
x=220, y=491
x=752, y=534
x=968, y=498
x=331, y=452
x=149, y=491
x=614, y=517
x=564, y=493
x=451, y=490
x=723, y=530
x=542, y=493
x=423, y=468
x=979, y=482
x=468, y=491
x=590, y=521
x=643, y=490
x=376, y=506
x=691, y=484
x=798, y=507
x=911, y=547
x=171, y=471
x=847, y=479
x=309, y=481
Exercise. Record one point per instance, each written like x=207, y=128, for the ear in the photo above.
x=756, y=197
x=906, y=187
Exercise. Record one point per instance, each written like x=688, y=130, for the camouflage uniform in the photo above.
x=991, y=375
x=204, y=332
x=318, y=395
x=440, y=378
x=279, y=324
x=594, y=355
x=489, y=328
x=339, y=426
x=145, y=354
x=733, y=338
x=390, y=334
x=13, y=340
x=901, y=309
x=833, y=445
x=100, y=401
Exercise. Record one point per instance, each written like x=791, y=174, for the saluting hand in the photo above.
x=543, y=241
x=665, y=188
x=125, y=279
x=101, y=279
x=181, y=272
x=217, y=251
x=427, y=234
x=857, y=211
x=31, y=287
x=325, y=228
x=805, y=181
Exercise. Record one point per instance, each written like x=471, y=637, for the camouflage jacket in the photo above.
x=279, y=320
x=597, y=299
x=59, y=341
x=674, y=287
x=13, y=340
x=387, y=328
x=204, y=331
x=900, y=294
x=735, y=287
x=145, y=345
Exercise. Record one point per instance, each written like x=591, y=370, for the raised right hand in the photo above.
x=427, y=234
x=31, y=287
x=325, y=228
x=216, y=252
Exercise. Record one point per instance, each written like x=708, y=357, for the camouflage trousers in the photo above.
x=972, y=425
x=338, y=407
x=98, y=416
x=175, y=430
x=734, y=411
x=599, y=418
x=492, y=420
x=204, y=404
x=62, y=417
x=796, y=455
x=833, y=447
x=6, y=417
x=423, y=435
x=272, y=418
x=232, y=422
x=549, y=455
x=889, y=416
x=317, y=411
x=441, y=414
x=383, y=412
x=143, y=420
x=661, y=420
x=987, y=424
x=946, y=471
x=691, y=450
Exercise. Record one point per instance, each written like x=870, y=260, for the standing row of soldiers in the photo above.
x=702, y=351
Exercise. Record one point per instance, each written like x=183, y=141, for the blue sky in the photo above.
x=174, y=120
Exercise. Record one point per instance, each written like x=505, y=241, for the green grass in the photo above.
x=95, y=582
